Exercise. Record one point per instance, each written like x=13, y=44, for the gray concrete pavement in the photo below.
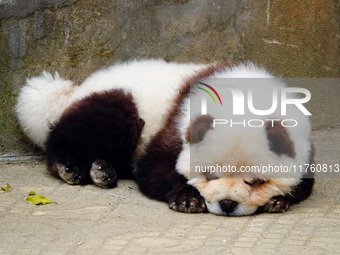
x=89, y=220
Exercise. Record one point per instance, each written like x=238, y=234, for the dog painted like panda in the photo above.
x=137, y=115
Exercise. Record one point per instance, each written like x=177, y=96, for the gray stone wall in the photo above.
x=292, y=38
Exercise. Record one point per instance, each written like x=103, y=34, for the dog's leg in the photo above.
x=157, y=178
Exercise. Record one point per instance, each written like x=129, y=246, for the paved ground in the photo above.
x=89, y=220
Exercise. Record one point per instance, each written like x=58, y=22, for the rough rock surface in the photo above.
x=291, y=38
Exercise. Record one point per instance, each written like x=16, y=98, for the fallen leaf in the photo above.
x=5, y=188
x=37, y=200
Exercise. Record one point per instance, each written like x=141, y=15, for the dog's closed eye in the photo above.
x=254, y=182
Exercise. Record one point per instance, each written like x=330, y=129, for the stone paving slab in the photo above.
x=89, y=220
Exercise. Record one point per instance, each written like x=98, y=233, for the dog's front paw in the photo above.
x=189, y=201
x=278, y=204
x=71, y=175
x=103, y=174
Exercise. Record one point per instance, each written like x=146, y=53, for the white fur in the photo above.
x=41, y=102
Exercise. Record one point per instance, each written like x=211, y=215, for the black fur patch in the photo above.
x=305, y=187
x=198, y=128
x=279, y=140
x=103, y=126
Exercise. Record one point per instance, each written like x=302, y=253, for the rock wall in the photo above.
x=292, y=38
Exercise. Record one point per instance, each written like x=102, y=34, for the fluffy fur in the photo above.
x=161, y=95
x=41, y=102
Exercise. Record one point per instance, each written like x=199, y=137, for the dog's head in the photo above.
x=222, y=165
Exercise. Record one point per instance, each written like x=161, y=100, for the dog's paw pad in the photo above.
x=103, y=174
x=278, y=204
x=188, y=204
x=68, y=175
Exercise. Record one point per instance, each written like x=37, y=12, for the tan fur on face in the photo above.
x=237, y=190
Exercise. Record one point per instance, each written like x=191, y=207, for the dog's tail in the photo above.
x=40, y=103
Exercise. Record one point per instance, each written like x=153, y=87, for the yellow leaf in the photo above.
x=37, y=200
x=5, y=188
x=32, y=193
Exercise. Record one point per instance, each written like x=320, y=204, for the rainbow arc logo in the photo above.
x=209, y=93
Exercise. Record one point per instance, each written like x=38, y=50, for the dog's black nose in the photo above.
x=227, y=205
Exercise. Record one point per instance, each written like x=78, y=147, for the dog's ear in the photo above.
x=279, y=140
x=198, y=128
